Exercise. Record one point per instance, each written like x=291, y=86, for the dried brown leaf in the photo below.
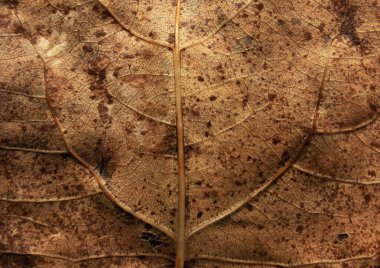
x=238, y=133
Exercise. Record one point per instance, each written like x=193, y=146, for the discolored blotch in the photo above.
x=213, y=194
x=20, y=29
x=373, y=104
x=5, y=20
x=348, y=28
x=372, y=173
x=201, y=79
x=199, y=214
x=103, y=113
x=259, y=6
x=347, y=11
x=154, y=240
x=167, y=145
x=21, y=260
x=147, y=54
x=100, y=33
x=87, y=48
x=12, y=3
x=99, y=74
x=367, y=198
x=342, y=237
x=199, y=182
x=171, y=38
x=321, y=27
x=280, y=22
x=271, y=96
x=106, y=14
x=195, y=112
x=148, y=226
x=307, y=36
x=213, y=98
x=249, y=207
x=103, y=168
x=245, y=100
x=285, y=157
x=299, y=229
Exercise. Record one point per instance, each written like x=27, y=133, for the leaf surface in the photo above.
x=231, y=133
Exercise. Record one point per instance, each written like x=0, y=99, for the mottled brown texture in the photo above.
x=279, y=102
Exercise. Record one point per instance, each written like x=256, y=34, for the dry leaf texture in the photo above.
x=205, y=133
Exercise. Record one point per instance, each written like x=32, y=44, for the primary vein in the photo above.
x=180, y=237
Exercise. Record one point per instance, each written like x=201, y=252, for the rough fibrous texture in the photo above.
x=158, y=133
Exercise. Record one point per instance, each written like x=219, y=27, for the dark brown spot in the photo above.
x=299, y=229
x=103, y=113
x=348, y=26
x=198, y=182
x=213, y=98
x=260, y=6
x=271, y=96
x=12, y=2
x=284, y=158
x=219, y=68
x=147, y=54
x=321, y=27
x=173, y=212
x=249, y=206
x=18, y=260
x=154, y=240
x=128, y=56
x=106, y=14
x=87, y=48
x=195, y=112
x=280, y=22
x=100, y=33
x=341, y=237
x=116, y=72
x=367, y=198
x=201, y=79
x=102, y=74
x=20, y=29
x=373, y=104
x=171, y=38
x=199, y=214
x=103, y=168
x=168, y=144
x=372, y=173
x=307, y=36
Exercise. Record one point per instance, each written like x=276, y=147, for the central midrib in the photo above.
x=180, y=234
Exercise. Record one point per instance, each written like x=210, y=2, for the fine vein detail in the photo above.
x=288, y=165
